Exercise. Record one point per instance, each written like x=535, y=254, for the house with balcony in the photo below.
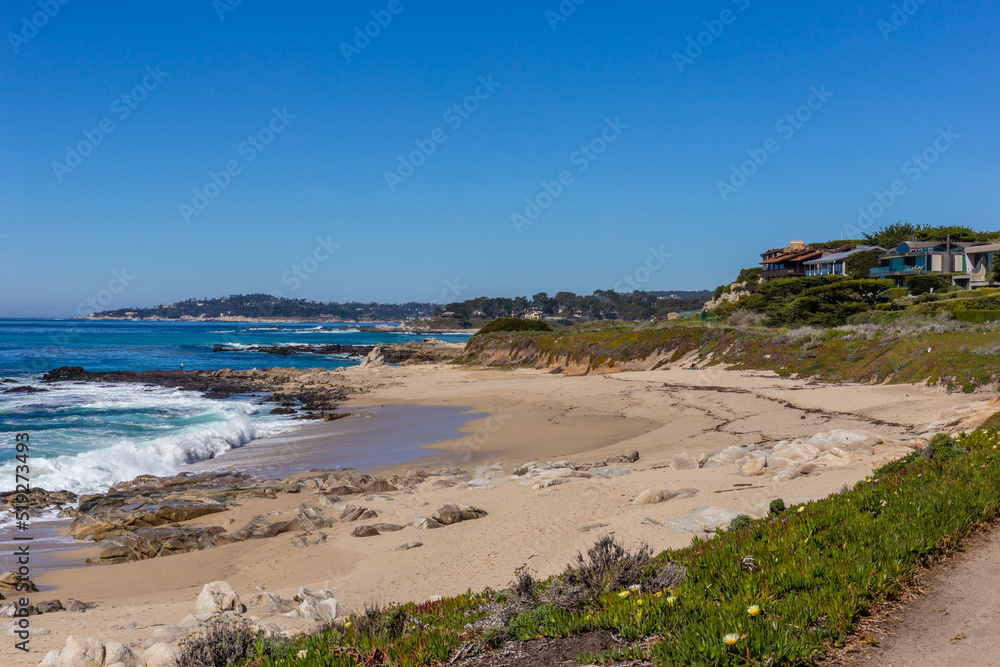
x=979, y=258
x=792, y=261
x=834, y=264
x=914, y=258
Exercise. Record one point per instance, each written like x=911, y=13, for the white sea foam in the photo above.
x=99, y=435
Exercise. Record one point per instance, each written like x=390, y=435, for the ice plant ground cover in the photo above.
x=779, y=591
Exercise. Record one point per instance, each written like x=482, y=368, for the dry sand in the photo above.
x=534, y=416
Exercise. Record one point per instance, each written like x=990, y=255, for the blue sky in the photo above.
x=641, y=109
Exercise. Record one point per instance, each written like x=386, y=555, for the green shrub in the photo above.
x=533, y=622
x=942, y=446
x=898, y=292
x=993, y=422
x=977, y=316
x=494, y=637
x=513, y=324
x=221, y=643
x=926, y=283
x=777, y=506
x=751, y=275
x=740, y=522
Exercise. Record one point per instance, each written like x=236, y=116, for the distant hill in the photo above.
x=601, y=305
x=265, y=306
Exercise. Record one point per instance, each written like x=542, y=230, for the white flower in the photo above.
x=731, y=639
x=753, y=609
x=302, y=653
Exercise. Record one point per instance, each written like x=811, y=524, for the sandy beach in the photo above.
x=517, y=417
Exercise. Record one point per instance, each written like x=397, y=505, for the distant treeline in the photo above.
x=602, y=304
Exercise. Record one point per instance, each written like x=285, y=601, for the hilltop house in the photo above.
x=836, y=263
x=913, y=258
x=792, y=261
x=979, y=259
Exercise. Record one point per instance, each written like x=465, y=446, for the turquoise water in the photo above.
x=88, y=437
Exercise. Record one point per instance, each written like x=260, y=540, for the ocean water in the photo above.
x=88, y=437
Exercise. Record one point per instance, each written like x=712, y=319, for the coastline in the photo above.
x=533, y=416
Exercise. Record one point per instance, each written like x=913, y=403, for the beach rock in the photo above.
x=119, y=654
x=328, y=500
x=267, y=604
x=780, y=463
x=684, y=461
x=386, y=527
x=51, y=659
x=217, y=597
x=424, y=523
x=703, y=519
x=365, y=531
x=189, y=622
x=590, y=527
x=734, y=453
x=451, y=513
x=154, y=542
x=49, y=606
x=753, y=467
x=608, y=472
x=87, y=652
x=408, y=546
x=798, y=452
x=547, y=483
x=162, y=655
x=355, y=513
x=649, y=497
x=786, y=475
x=624, y=458
x=305, y=540
x=78, y=606
x=11, y=580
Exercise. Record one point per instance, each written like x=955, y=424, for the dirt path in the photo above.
x=957, y=622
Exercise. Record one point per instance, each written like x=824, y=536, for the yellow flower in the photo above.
x=884, y=503
x=671, y=600
x=639, y=602
x=730, y=639
x=623, y=594
x=347, y=624
x=658, y=594
x=802, y=508
x=753, y=610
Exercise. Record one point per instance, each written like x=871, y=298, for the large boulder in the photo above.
x=218, y=597
x=365, y=531
x=119, y=654
x=9, y=581
x=162, y=655
x=648, y=497
x=451, y=513
x=87, y=652
x=684, y=461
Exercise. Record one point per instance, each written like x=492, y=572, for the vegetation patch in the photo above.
x=513, y=324
x=773, y=591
